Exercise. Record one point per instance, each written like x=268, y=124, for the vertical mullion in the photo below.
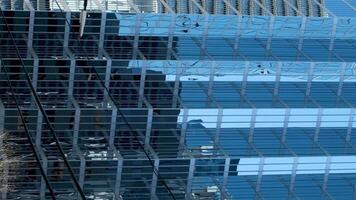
x=350, y=125
x=244, y=79
x=149, y=126
x=45, y=167
x=252, y=125
x=226, y=175
x=34, y=78
x=179, y=71
x=270, y=34
x=326, y=173
x=293, y=176
x=67, y=29
x=218, y=128
x=39, y=130
x=301, y=33
x=154, y=179
x=238, y=34
x=260, y=174
x=137, y=35
x=170, y=36
x=341, y=79
x=107, y=77
x=317, y=125
x=76, y=123
x=30, y=32
x=5, y=167
x=113, y=125
x=71, y=78
x=81, y=170
x=184, y=128
x=211, y=78
x=285, y=124
x=333, y=33
x=190, y=179
x=277, y=80
x=310, y=78
x=118, y=177
x=142, y=84
x=2, y=116
x=102, y=31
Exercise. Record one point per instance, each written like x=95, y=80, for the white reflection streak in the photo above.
x=305, y=165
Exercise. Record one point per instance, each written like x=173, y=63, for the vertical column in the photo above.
x=39, y=130
x=81, y=171
x=301, y=33
x=270, y=34
x=76, y=123
x=327, y=172
x=293, y=176
x=350, y=125
x=34, y=78
x=285, y=125
x=333, y=33
x=274, y=7
x=238, y=34
x=184, y=128
x=148, y=126
x=317, y=125
x=113, y=125
x=190, y=179
x=118, y=177
x=277, y=80
x=30, y=32
x=66, y=29
x=170, y=36
x=205, y=33
x=341, y=79
x=286, y=9
x=2, y=115
x=190, y=7
x=107, y=76
x=142, y=84
x=2, y=124
x=252, y=125
x=178, y=6
x=179, y=71
x=71, y=77
x=260, y=174
x=251, y=6
x=244, y=78
x=154, y=179
x=218, y=128
x=102, y=34
x=211, y=78
x=5, y=181
x=310, y=78
x=137, y=35
x=226, y=175
x=45, y=167
x=310, y=7
x=35, y=72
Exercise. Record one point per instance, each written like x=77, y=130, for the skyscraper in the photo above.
x=214, y=99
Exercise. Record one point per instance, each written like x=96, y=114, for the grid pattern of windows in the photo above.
x=190, y=105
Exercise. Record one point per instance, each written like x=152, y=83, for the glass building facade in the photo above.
x=215, y=99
